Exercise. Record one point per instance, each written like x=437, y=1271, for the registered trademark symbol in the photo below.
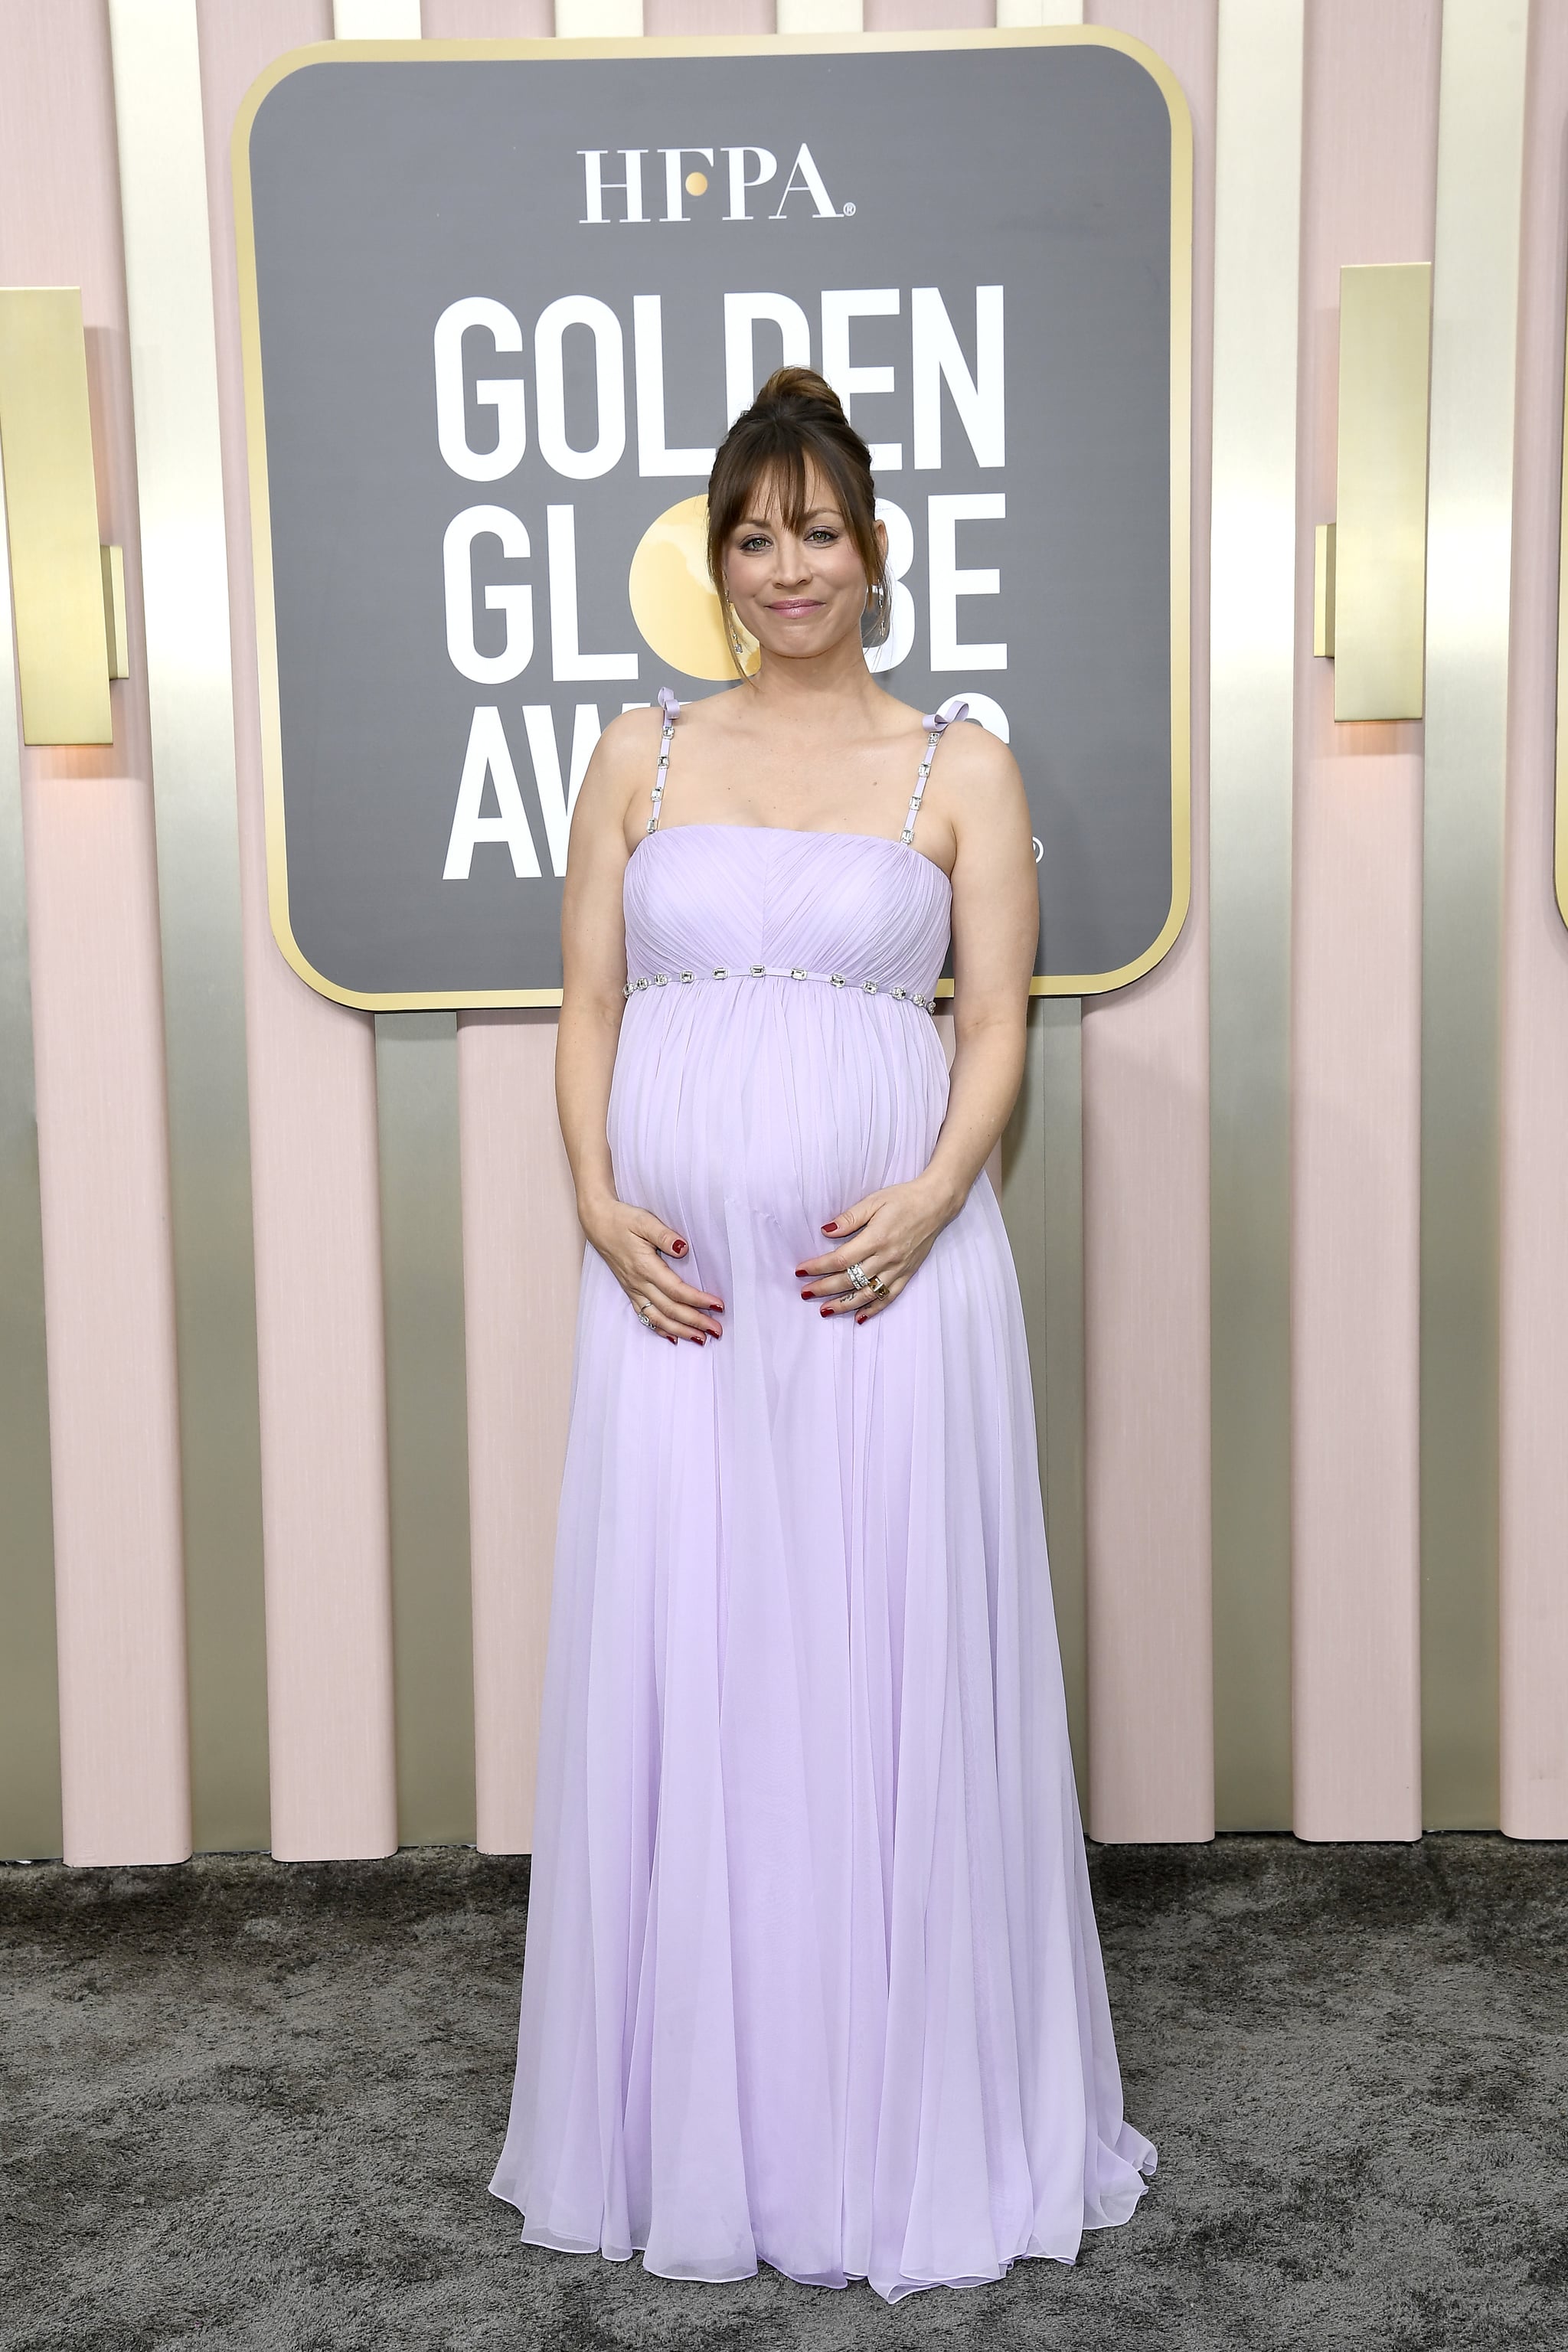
x=848, y=211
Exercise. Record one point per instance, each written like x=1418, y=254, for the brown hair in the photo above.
x=796, y=421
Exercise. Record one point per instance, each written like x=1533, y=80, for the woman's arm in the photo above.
x=996, y=931
x=629, y=1238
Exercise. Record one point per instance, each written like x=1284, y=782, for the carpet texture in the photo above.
x=254, y=2106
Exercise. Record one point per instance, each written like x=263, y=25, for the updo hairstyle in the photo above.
x=796, y=421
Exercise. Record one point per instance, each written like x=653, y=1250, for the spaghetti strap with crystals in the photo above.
x=936, y=724
x=668, y=705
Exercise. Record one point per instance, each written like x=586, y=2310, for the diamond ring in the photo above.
x=643, y=1315
x=858, y=1277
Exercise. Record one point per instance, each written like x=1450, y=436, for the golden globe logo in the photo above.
x=746, y=172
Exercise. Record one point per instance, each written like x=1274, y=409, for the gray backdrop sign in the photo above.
x=500, y=305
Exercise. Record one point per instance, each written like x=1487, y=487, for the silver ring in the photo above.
x=643, y=1315
x=858, y=1277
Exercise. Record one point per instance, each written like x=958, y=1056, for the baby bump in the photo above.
x=759, y=1104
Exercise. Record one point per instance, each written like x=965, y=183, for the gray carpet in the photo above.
x=248, y=2105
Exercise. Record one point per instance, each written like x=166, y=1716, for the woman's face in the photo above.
x=801, y=591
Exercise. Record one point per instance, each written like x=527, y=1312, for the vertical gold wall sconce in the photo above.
x=1370, y=605
x=67, y=591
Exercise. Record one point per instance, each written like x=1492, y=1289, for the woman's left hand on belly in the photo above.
x=889, y=1234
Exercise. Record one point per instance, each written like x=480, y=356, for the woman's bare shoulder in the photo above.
x=636, y=733
x=977, y=788
x=970, y=755
x=619, y=778
x=629, y=738
x=979, y=748
x=716, y=709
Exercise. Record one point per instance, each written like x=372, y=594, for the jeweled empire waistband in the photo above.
x=780, y=971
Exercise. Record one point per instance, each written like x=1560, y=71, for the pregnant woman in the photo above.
x=811, y=1976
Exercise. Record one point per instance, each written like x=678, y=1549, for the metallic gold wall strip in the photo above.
x=1480, y=146
x=605, y=20
x=376, y=20
x=1380, y=507
x=29, y=1697
x=1252, y=687
x=427, y=1424
x=168, y=272
x=1042, y=1204
x=817, y=16
x=51, y=496
x=1016, y=15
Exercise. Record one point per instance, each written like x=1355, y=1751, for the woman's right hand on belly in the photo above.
x=634, y=1243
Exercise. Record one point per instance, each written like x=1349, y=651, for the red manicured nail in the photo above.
x=715, y=1335
x=800, y=1274
x=671, y=1337
x=827, y=1229
x=859, y=1318
x=827, y=1310
x=677, y=1249
x=807, y=1293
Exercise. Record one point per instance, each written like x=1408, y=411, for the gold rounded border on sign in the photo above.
x=672, y=598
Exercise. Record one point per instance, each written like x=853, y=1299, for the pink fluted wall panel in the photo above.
x=1369, y=168
x=487, y=20
x=1534, y=1373
x=92, y=913
x=1355, y=1044
x=523, y=1249
x=317, y=1205
x=1146, y=1224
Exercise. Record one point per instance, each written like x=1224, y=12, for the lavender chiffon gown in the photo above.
x=811, y=1976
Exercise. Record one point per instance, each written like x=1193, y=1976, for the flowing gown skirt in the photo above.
x=812, y=1975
